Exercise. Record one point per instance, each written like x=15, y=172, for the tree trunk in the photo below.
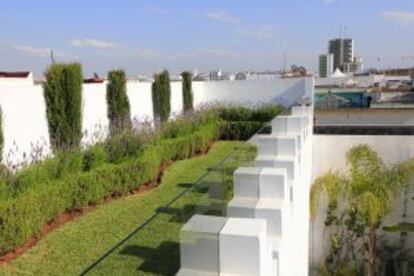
x=372, y=252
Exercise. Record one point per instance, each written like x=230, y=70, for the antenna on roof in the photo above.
x=52, y=57
x=284, y=62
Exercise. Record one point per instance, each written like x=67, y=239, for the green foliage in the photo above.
x=357, y=203
x=187, y=91
x=239, y=113
x=239, y=130
x=117, y=101
x=82, y=241
x=124, y=146
x=63, y=96
x=240, y=123
x=74, y=179
x=161, y=96
x=94, y=157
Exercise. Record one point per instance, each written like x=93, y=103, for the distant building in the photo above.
x=341, y=98
x=343, y=51
x=201, y=77
x=264, y=75
x=94, y=79
x=344, y=58
x=240, y=76
x=356, y=66
x=218, y=75
x=326, y=65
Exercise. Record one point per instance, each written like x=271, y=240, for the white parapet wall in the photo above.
x=24, y=113
x=267, y=230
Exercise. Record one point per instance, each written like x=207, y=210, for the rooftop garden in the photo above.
x=59, y=214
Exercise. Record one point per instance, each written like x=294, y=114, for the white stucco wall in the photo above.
x=24, y=117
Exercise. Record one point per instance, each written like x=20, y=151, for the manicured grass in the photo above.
x=154, y=250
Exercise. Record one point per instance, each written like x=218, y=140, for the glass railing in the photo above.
x=153, y=247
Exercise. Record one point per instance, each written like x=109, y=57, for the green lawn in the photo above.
x=153, y=250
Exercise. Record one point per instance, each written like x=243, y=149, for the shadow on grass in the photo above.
x=163, y=260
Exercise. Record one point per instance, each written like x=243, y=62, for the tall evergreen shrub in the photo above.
x=161, y=96
x=63, y=96
x=187, y=91
x=117, y=101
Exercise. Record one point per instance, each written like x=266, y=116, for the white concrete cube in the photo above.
x=290, y=163
x=275, y=214
x=246, y=182
x=199, y=244
x=289, y=124
x=273, y=184
x=243, y=247
x=241, y=207
x=266, y=145
x=278, y=144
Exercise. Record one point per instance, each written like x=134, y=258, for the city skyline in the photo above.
x=148, y=36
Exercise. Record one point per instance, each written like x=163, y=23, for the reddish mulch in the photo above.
x=63, y=218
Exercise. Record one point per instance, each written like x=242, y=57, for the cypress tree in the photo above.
x=161, y=96
x=117, y=101
x=63, y=96
x=187, y=91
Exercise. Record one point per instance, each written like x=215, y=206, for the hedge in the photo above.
x=23, y=216
x=75, y=179
x=240, y=123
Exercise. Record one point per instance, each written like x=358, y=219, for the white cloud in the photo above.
x=401, y=17
x=36, y=52
x=94, y=43
x=222, y=16
x=157, y=10
x=147, y=53
x=263, y=32
x=217, y=52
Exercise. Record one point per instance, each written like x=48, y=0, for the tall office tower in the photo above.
x=343, y=51
x=326, y=65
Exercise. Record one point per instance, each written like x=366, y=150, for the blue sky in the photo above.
x=145, y=36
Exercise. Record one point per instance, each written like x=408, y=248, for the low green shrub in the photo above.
x=75, y=179
x=239, y=113
x=239, y=130
x=63, y=164
x=23, y=215
x=124, y=145
x=94, y=156
x=240, y=123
